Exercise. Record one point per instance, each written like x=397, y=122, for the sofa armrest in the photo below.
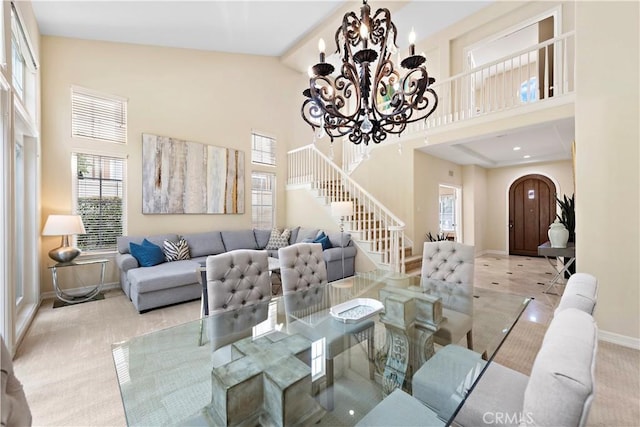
x=335, y=254
x=126, y=262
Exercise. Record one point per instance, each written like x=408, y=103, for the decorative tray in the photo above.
x=356, y=310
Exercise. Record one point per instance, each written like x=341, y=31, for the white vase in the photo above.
x=558, y=235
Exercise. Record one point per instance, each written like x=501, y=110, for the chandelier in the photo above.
x=357, y=102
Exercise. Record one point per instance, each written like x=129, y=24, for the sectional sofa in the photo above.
x=177, y=281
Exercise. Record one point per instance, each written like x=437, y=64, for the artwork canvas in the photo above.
x=184, y=177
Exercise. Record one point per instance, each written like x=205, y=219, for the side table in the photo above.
x=75, y=298
x=548, y=252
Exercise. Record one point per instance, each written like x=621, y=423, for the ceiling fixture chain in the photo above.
x=361, y=104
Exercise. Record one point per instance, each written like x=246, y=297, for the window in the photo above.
x=263, y=150
x=24, y=65
x=263, y=199
x=99, y=200
x=529, y=90
x=98, y=116
x=447, y=212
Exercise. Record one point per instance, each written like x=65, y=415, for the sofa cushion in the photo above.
x=163, y=276
x=306, y=233
x=561, y=385
x=147, y=254
x=203, y=244
x=335, y=254
x=176, y=251
x=323, y=240
x=339, y=240
x=294, y=235
x=278, y=239
x=240, y=239
x=123, y=241
x=262, y=237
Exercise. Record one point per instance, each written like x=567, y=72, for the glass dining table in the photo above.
x=275, y=364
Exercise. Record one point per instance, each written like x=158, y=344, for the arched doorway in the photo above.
x=532, y=209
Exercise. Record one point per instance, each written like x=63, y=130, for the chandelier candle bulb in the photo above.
x=321, y=48
x=412, y=42
x=364, y=33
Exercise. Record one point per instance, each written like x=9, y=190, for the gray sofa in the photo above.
x=175, y=282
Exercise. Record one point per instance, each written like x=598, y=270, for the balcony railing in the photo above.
x=538, y=73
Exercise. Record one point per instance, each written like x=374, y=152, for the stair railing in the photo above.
x=378, y=225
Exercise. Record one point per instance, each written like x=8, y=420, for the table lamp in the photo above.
x=341, y=210
x=63, y=225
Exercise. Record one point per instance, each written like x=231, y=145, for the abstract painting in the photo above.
x=184, y=177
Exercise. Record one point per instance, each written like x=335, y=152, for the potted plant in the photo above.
x=568, y=218
x=568, y=214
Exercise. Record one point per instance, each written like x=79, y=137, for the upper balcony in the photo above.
x=538, y=77
x=525, y=91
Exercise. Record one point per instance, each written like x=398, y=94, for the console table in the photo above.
x=549, y=252
x=78, y=298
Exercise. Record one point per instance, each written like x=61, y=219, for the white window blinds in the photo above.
x=97, y=116
x=99, y=195
x=263, y=150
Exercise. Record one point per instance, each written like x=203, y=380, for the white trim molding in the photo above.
x=623, y=340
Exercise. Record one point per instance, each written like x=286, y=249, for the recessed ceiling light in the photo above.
x=516, y=148
x=526, y=156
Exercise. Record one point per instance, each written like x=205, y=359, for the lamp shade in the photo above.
x=340, y=209
x=62, y=225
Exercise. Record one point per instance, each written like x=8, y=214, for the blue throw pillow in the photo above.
x=147, y=253
x=324, y=241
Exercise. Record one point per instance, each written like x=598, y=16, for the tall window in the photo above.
x=98, y=116
x=24, y=64
x=263, y=150
x=263, y=199
x=447, y=212
x=99, y=200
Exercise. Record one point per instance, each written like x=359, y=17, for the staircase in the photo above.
x=375, y=229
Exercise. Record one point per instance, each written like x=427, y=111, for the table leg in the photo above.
x=74, y=299
x=559, y=274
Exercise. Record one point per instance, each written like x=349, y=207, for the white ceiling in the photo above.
x=542, y=143
x=248, y=27
x=273, y=28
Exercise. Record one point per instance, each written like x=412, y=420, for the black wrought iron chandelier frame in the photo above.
x=348, y=104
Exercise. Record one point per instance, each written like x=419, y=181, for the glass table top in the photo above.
x=295, y=360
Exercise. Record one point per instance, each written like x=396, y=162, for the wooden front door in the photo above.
x=532, y=209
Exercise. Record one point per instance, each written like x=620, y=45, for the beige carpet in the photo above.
x=67, y=370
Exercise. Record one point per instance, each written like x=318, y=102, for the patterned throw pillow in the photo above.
x=176, y=251
x=278, y=239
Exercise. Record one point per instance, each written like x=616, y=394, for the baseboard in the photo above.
x=490, y=252
x=83, y=289
x=618, y=339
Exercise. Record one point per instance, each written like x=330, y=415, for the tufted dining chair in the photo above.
x=239, y=292
x=307, y=303
x=447, y=272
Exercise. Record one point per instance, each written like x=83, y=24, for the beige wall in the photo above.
x=429, y=173
x=608, y=160
x=498, y=182
x=474, y=206
x=208, y=97
x=388, y=176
